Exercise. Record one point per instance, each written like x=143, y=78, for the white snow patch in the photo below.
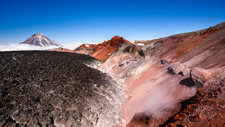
x=117, y=117
x=141, y=44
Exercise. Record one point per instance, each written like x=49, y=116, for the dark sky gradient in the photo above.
x=99, y=20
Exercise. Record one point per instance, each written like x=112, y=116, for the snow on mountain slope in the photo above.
x=40, y=40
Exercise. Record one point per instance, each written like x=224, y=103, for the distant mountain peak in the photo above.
x=39, y=39
x=38, y=34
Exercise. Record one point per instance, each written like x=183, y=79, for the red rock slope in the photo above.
x=103, y=50
x=162, y=77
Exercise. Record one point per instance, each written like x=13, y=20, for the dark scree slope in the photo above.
x=40, y=88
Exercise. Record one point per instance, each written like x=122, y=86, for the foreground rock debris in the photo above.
x=56, y=89
x=172, y=81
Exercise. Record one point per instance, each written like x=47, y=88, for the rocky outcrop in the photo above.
x=103, y=50
x=87, y=49
x=206, y=108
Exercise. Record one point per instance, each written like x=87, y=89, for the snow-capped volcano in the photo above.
x=40, y=40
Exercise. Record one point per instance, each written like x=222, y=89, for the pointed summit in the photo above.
x=38, y=34
x=39, y=39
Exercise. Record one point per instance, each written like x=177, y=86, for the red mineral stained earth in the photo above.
x=103, y=50
x=170, y=81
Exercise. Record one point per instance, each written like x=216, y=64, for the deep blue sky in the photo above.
x=99, y=20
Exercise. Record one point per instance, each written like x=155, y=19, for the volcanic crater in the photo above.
x=171, y=81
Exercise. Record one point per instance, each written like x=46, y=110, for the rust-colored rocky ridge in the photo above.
x=103, y=50
x=161, y=78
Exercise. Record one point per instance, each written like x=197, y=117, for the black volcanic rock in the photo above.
x=41, y=88
x=40, y=40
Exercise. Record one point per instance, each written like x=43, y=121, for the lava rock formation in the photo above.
x=40, y=88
